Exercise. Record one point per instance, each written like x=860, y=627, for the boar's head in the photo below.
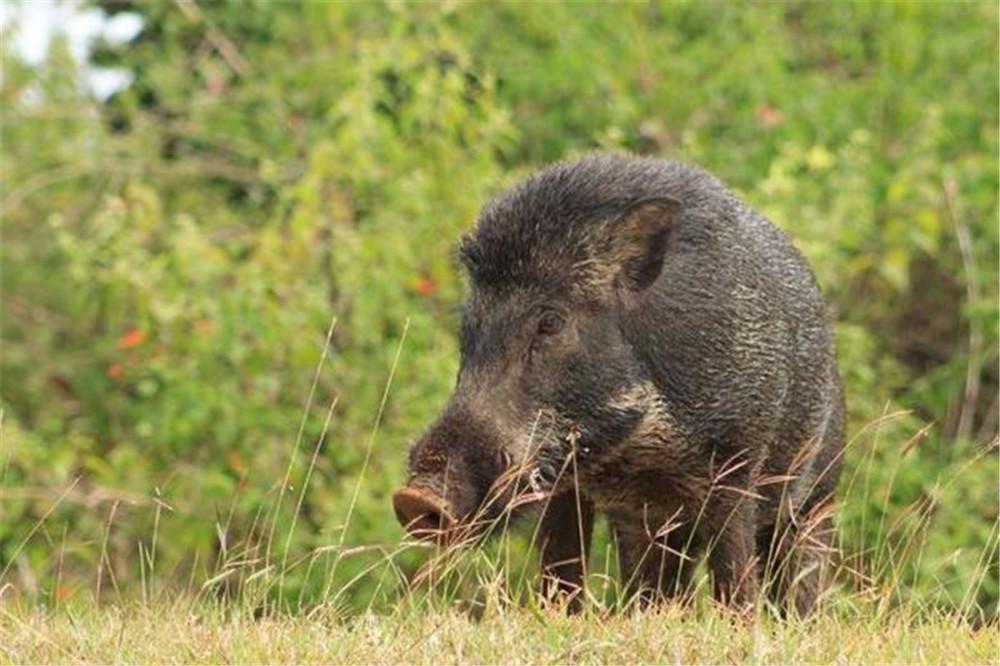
x=558, y=269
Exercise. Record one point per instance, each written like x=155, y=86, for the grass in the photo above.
x=479, y=604
x=188, y=632
x=468, y=609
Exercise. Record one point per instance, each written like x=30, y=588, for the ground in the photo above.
x=183, y=632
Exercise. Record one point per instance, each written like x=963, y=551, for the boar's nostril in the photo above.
x=423, y=514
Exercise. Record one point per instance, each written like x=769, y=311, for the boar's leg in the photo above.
x=654, y=568
x=566, y=527
x=731, y=555
x=795, y=543
x=798, y=554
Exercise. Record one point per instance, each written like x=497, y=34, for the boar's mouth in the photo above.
x=423, y=514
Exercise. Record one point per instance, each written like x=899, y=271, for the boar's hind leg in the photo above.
x=566, y=527
x=797, y=570
x=797, y=545
x=654, y=568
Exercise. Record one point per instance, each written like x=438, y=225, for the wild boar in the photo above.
x=636, y=341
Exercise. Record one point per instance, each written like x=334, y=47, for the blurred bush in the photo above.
x=173, y=256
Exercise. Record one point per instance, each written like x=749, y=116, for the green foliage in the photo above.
x=173, y=258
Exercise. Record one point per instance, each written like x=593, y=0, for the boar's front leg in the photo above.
x=731, y=554
x=566, y=527
x=656, y=562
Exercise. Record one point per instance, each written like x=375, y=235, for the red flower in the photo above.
x=132, y=339
x=115, y=371
x=424, y=287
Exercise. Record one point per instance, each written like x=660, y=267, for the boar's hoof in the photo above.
x=422, y=513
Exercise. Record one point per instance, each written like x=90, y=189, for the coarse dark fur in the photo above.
x=638, y=342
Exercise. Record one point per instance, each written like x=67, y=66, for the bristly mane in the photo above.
x=540, y=232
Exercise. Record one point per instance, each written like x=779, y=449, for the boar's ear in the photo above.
x=640, y=240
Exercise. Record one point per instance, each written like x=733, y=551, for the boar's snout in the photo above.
x=422, y=513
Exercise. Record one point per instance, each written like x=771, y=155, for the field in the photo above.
x=189, y=633
x=481, y=605
x=229, y=303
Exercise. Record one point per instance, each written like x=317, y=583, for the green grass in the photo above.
x=185, y=632
x=480, y=605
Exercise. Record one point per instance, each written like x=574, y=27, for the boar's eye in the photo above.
x=550, y=323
